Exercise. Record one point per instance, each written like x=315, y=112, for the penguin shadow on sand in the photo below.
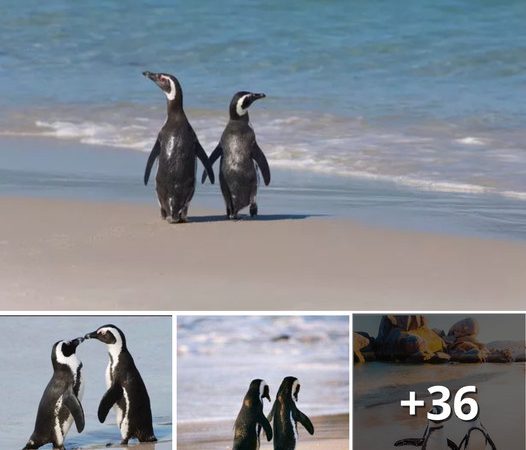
x=436, y=436
x=260, y=218
x=60, y=404
x=284, y=414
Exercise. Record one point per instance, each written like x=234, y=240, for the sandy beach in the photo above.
x=81, y=255
x=330, y=432
x=380, y=423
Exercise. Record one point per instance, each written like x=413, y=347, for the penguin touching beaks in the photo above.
x=60, y=404
x=239, y=151
x=286, y=415
x=434, y=437
x=476, y=436
x=176, y=147
x=126, y=389
x=251, y=419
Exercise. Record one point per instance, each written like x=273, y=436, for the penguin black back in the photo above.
x=126, y=388
x=60, y=403
x=251, y=419
x=240, y=154
x=176, y=148
x=286, y=415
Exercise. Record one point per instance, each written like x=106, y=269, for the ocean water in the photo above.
x=427, y=97
x=26, y=370
x=219, y=356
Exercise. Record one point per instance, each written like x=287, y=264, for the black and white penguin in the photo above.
x=286, y=415
x=176, y=147
x=126, y=389
x=251, y=419
x=239, y=150
x=476, y=437
x=434, y=438
x=60, y=403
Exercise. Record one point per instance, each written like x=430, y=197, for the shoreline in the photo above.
x=60, y=168
x=70, y=255
x=330, y=431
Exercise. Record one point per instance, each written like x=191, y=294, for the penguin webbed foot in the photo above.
x=253, y=210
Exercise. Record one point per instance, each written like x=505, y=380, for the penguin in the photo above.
x=126, y=389
x=286, y=415
x=434, y=437
x=176, y=147
x=251, y=419
x=60, y=404
x=476, y=436
x=239, y=150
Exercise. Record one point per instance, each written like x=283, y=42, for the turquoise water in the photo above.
x=427, y=96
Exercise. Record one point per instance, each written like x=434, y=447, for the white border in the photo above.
x=176, y=314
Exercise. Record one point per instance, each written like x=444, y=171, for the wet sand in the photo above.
x=330, y=432
x=81, y=255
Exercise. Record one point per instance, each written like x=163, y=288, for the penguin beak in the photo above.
x=152, y=76
x=156, y=78
x=267, y=395
x=92, y=335
x=257, y=96
x=77, y=341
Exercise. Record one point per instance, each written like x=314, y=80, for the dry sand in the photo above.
x=330, y=432
x=71, y=255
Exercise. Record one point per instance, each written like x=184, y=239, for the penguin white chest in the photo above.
x=294, y=427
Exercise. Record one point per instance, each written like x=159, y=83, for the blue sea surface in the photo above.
x=424, y=95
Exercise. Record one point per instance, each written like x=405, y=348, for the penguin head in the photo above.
x=168, y=84
x=63, y=352
x=240, y=103
x=476, y=420
x=437, y=410
x=109, y=335
x=262, y=389
x=290, y=388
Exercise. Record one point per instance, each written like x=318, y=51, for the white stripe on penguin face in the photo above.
x=173, y=91
x=239, y=106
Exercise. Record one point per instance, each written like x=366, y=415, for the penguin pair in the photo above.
x=284, y=413
x=177, y=148
x=476, y=437
x=61, y=402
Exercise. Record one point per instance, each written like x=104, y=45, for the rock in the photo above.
x=465, y=327
x=500, y=356
x=359, y=342
x=517, y=348
x=439, y=358
x=407, y=338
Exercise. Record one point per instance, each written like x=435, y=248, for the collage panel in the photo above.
x=273, y=381
x=86, y=382
x=439, y=381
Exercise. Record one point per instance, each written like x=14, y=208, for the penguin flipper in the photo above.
x=452, y=445
x=75, y=408
x=201, y=154
x=272, y=412
x=262, y=420
x=156, y=150
x=218, y=151
x=112, y=395
x=304, y=420
x=415, y=442
x=261, y=161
